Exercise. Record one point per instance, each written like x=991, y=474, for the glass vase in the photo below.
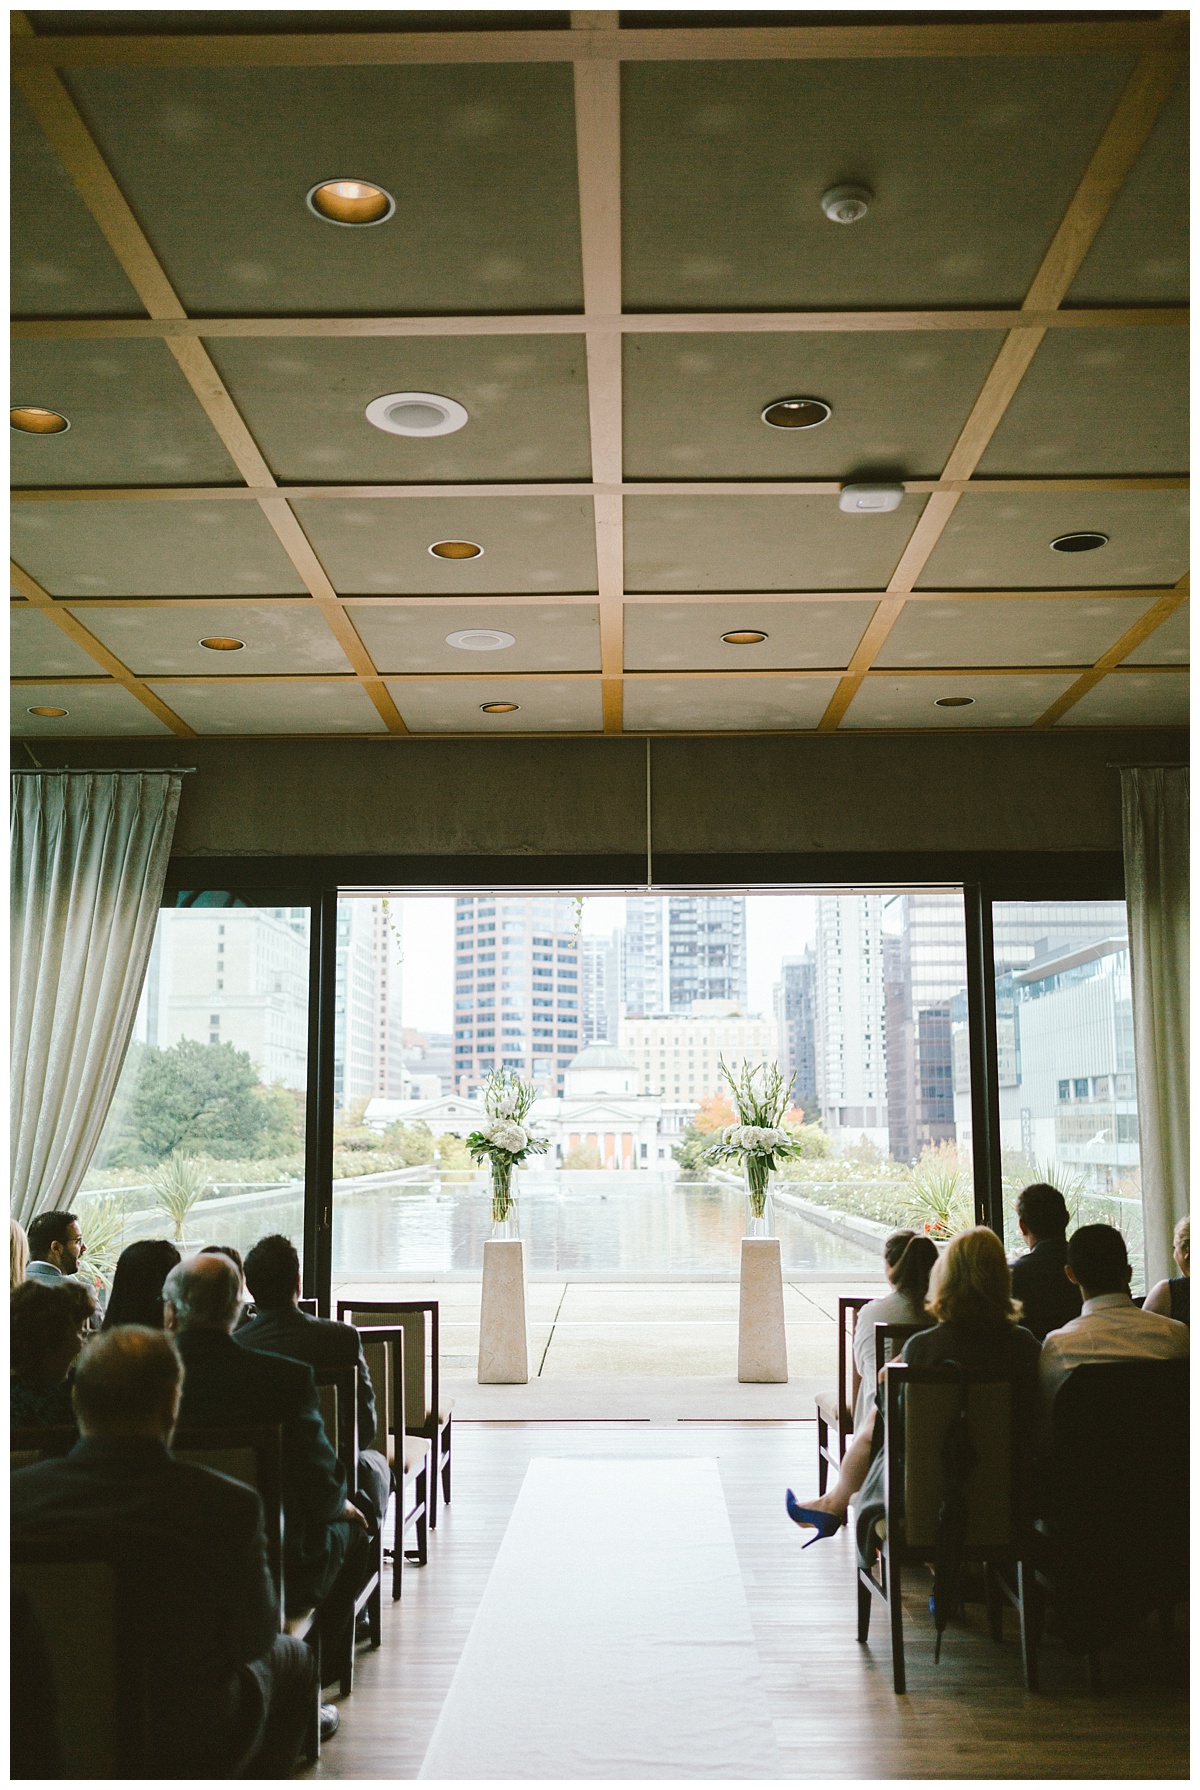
x=504, y=1200
x=760, y=1217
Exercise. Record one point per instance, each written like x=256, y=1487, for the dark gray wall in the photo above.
x=909, y=793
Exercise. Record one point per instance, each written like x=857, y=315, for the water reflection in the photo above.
x=574, y=1224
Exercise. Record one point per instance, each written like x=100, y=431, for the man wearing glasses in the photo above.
x=55, y=1247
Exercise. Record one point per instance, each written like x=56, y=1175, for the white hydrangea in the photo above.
x=507, y=1135
x=756, y=1140
x=506, y=1106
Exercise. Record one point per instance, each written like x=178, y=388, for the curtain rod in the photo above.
x=88, y=770
x=1175, y=765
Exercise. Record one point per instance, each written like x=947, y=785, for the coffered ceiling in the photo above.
x=608, y=246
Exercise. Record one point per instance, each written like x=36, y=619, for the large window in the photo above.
x=1068, y=1088
x=205, y=1139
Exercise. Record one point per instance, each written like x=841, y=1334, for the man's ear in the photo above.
x=1070, y=1273
x=169, y=1321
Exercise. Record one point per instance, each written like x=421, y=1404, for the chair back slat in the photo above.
x=931, y=1401
x=337, y=1389
x=253, y=1455
x=75, y=1603
x=418, y=1317
x=39, y=1444
x=890, y=1339
x=384, y=1347
x=849, y=1306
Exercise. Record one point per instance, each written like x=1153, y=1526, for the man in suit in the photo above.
x=1110, y=1326
x=55, y=1247
x=324, y=1534
x=1039, y=1280
x=281, y=1328
x=226, y=1694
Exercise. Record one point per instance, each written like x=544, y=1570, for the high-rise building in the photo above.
x=231, y=975
x=924, y=971
x=389, y=1015
x=795, y=1018
x=678, y=1056
x=526, y=1017
x=684, y=948
x=356, y=1003
x=600, y=986
x=851, y=1054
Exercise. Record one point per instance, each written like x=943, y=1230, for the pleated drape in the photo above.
x=1154, y=811
x=89, y=858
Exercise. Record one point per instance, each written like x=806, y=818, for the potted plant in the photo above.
x=506, y=1140
x=758, y=1140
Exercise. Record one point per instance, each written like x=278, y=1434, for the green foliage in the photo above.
x=689, y=1153
x=178, y=1184
x=195, y=1097
x=939, y=1189
x=812, y=1142
x=102, y=1222
x=582, y=1156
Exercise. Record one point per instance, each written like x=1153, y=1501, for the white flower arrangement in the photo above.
x=761, y=1097
x=506, y=1139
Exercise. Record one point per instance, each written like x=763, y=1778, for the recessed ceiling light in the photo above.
x=743, y=637
x=31, y=419
x=456, y=550
x=1084, y=542
x=481, y=640
x=48, y=713
x=353, y=202
x=222, y=643
x=499, y=708
x=796, y=413
x=416, y=413
x=953, y=702
x=846, y=204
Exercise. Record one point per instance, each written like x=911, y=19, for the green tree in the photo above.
x=194, y=1098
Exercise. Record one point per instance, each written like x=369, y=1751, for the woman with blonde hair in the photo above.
x=18, y=1254
x=1172, y=1298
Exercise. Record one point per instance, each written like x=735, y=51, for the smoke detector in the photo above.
x=870, y=500
x=846, y=204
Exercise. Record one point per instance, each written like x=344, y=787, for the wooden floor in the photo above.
x=835, y=1712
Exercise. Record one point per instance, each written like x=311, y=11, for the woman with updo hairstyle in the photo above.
x=908, y=1261
x=1172, y=1298
x=136, y=1296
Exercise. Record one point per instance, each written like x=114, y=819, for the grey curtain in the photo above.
x=1154, y=811
x=89, y=854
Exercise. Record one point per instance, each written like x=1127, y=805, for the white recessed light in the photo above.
x=796, y=413
x=48, y=714
x=354, y=204
x=846, y=204
x=481, y=640
x=1085, y=542
x=416, y=413
x=870, y=500
x=953, y=702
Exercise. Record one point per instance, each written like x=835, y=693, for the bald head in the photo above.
x=202, y=1294
x=127, y=1383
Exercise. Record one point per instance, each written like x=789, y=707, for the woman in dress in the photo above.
x=1173, y=1298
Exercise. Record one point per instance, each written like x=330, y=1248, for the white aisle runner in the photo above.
x=613, y=1639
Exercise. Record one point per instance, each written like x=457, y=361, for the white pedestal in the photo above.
x=762, y=1340
x=503, y=1340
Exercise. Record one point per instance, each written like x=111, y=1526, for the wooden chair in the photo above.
x=74, y=1594
x=427, y=1414
x=28, y=1446
x=1114, y=1540
x=919, y=1405
x=836, y=1413
x=337, y=1389
x=890, y=1339
x=309, y=1306
x=252, y=1454
x=407, y=1455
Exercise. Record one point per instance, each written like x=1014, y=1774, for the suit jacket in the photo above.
x=189, y=1546
x=223, y=1385
x=286, y=1330
x=1048, y=1299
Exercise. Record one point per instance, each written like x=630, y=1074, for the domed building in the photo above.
x=600, y=1068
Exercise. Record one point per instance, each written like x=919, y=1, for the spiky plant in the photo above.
x=939, y=1187
x=178, y=1184
x=102, y=1223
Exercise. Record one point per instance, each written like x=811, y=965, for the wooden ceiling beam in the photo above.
x=668, y=674
x=108, y=662
x=1137, y=111
x=574, y=323
x=1110, y=662
x=606, y=44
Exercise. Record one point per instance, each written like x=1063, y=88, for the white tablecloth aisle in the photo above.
x=613, y=1639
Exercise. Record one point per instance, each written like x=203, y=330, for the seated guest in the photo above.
x=136, y=1296
x=908, y=1261
x=235, y=1256
x=18, y=1254
x=324, y=1534
x=48, y=1326
x=1172, y=1298
x=1110, y=1327
x=1039, y=1280
x=970, y=1295
x=281, y=1328
x=55, y=1247
x=226, y=1695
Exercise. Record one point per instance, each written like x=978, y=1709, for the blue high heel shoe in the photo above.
x=823, y=1521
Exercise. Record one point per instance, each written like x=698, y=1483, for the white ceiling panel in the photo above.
x=93, y=710
x=308, y=706
x=1169, y=644
x=1133, y=699
x=687, y=637
x=411, y=637
x=1017, y=631
x=894, y=702
x=706, y=704
x=39, y=649
x=544, y=705
x=165, y=640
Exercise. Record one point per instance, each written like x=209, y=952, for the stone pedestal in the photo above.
x=503, y=1340
x=762, y=1340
